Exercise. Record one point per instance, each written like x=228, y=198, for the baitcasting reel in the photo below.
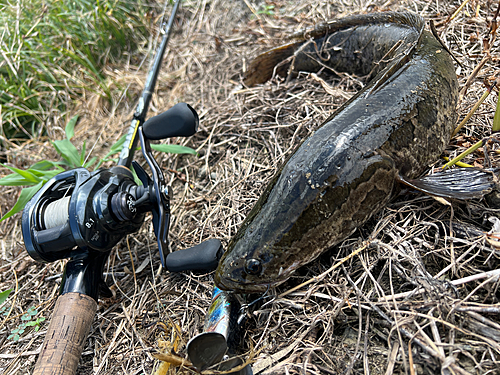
x=80, y=214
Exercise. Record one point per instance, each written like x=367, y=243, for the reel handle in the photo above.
x=202, y=257
x=179, y=121
x=66, y=336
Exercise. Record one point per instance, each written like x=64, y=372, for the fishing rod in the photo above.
x=82, y=215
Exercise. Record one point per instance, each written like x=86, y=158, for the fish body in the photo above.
x=346, y=170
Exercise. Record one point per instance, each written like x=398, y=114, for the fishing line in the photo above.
x=245, y=306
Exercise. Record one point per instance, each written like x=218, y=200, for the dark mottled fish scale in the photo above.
x=345, y=172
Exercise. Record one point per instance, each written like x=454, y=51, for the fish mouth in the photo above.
x=239, y=287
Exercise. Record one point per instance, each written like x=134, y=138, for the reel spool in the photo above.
x=78, y=210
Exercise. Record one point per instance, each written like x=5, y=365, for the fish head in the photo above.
x=243, y=271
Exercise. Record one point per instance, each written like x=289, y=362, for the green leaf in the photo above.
x=37, y=172
x=68, y=152
x=136, y=178
x=496, y=119
x=82, y=154
x=90, y=163
x=26, y=195
x=70, y=127
x=116, y=147
x=4, y=295
x=15, y=180
x=14, y=337
x=49, y=174
x=28, y=176
x=44, y=174
x=174, y=149
x=45, y=165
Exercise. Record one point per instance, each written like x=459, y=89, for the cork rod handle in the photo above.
x=66, y=336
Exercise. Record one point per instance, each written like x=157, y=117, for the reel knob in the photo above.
x=179, y=121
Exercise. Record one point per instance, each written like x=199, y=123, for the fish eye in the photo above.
x=253, y=266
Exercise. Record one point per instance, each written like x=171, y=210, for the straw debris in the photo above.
x=420, y=294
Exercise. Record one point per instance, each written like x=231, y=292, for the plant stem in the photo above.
x=465, y=153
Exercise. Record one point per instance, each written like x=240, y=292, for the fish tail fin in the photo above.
x=264, y=66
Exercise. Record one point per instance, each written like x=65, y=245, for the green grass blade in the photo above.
x=28, y=176
x=4, y=295
x=15, y=179
x=26, y=195
x=63, y=50
x=90, y=163
x=82, y=154
x=174, y=149
x=68, y=152
x=496, y=119
x=70, y=127
x=117, y=146
x=45, y=165
x=114, y=149
x=470, y=150
x=52, y=173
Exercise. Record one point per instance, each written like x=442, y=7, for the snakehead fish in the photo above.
x=346, y=170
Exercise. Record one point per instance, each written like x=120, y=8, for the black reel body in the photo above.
x=77, y=211
x=81, y=215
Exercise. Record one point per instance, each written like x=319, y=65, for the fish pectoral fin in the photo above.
x=457, y=183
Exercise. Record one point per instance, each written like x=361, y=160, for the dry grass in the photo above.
x=415, y=300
